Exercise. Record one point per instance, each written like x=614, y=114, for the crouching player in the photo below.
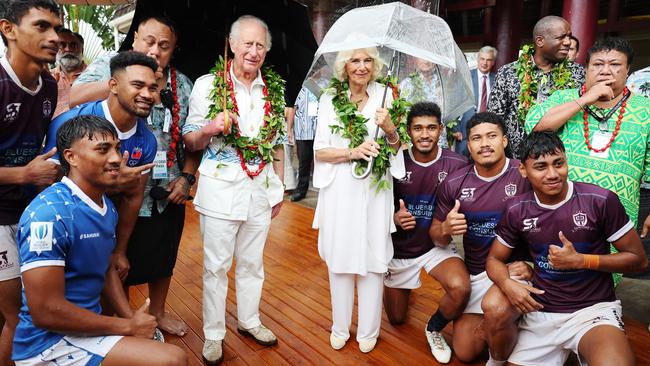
x=427, y=166
x=567, y=227
x=65, y=239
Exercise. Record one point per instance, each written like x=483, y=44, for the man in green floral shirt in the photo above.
x=151, y=252
x=613, y=150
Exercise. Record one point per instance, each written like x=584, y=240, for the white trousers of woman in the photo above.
x=369, y=291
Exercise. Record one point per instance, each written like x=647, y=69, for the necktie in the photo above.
x=483, y=104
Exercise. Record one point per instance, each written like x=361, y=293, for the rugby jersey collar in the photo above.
x=10, y=71
x=84, y=197
x=569, y=194
x=120, y=135
x=425, y=164
x=506, y=166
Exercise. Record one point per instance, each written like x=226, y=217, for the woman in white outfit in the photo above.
x=354, y=218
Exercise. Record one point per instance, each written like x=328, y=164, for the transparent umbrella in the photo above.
x=409, y=31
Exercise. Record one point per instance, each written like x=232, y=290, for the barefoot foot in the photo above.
x=171, y=324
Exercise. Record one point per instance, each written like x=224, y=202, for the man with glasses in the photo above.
x=70, y=65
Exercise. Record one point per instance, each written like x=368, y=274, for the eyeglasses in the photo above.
x=71, y=45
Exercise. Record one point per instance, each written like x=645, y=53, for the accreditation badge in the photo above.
x=160, y=165
x=599, y=141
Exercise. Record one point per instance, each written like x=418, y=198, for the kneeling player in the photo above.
x=427, y=165
x=567, y=227
x=65, y=238
x=470, y=202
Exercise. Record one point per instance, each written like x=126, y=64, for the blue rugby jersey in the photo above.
x=63, y=227
x=139, y=141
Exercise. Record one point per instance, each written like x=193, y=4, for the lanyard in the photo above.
x=602, y=120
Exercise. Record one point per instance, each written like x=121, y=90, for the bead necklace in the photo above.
x=585, y=118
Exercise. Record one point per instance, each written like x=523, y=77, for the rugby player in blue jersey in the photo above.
x=567, y=227
x=132, y=90
x=28, y=96
x=65, y=237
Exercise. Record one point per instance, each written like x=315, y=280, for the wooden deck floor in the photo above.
x=295, y=305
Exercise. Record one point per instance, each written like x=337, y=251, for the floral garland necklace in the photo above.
x=174, y=130
x=261, y=147
x=352, y=125
x=560, y=74
x=585, y=118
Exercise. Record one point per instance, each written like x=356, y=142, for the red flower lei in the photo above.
x=173, y=129
x=235, y=110
x=585, y=118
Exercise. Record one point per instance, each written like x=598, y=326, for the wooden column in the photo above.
x=508, y=30
x=583, y=17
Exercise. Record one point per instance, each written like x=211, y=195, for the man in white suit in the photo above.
x=482, y=81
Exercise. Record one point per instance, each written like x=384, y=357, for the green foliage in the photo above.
x=262, y=146
x=560, y=74
x=97, y=16
x=352, y=125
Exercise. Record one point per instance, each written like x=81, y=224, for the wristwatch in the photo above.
x=190, y=178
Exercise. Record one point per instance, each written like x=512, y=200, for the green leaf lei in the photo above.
x=560, y=74
x=262, y=145
x=352, y=125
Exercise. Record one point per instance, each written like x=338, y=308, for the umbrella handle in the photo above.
x=371, y=163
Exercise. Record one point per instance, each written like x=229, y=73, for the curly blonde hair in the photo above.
x=343, y=57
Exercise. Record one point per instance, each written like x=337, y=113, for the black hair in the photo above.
x=169, y=22
x=128, y=58
x=612, y=43
x=15, y=10
x=540, y=143
x=486, y=117
x=574, y=38
x=79, y=37
x=78, y=128
x=423, y=109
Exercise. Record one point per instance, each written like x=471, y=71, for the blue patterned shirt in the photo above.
x=304, y=126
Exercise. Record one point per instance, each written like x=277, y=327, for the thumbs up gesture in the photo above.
x=403, y=217
x=565, y=257
x=455, y=224
x=142, y=323
x=41, y=171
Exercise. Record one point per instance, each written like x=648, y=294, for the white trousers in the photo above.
x=369, y=291
x=223, y=239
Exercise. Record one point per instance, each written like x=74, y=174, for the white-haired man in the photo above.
x=240, y=189
x=482, y=81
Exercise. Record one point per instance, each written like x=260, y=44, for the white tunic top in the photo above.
x=225, y=191
x=355, y=220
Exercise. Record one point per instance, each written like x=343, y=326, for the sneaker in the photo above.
x=336, y=342
x=158, y=336
x=261, y=334
x=212, y=352
x=367, y=345
x=439, y=348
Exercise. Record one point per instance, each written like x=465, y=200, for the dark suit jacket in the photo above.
x=461, y=146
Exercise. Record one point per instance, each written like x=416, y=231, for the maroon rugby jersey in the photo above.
x=24, y=119
x=418, y=191
x=590, y=217
x=482, y=201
